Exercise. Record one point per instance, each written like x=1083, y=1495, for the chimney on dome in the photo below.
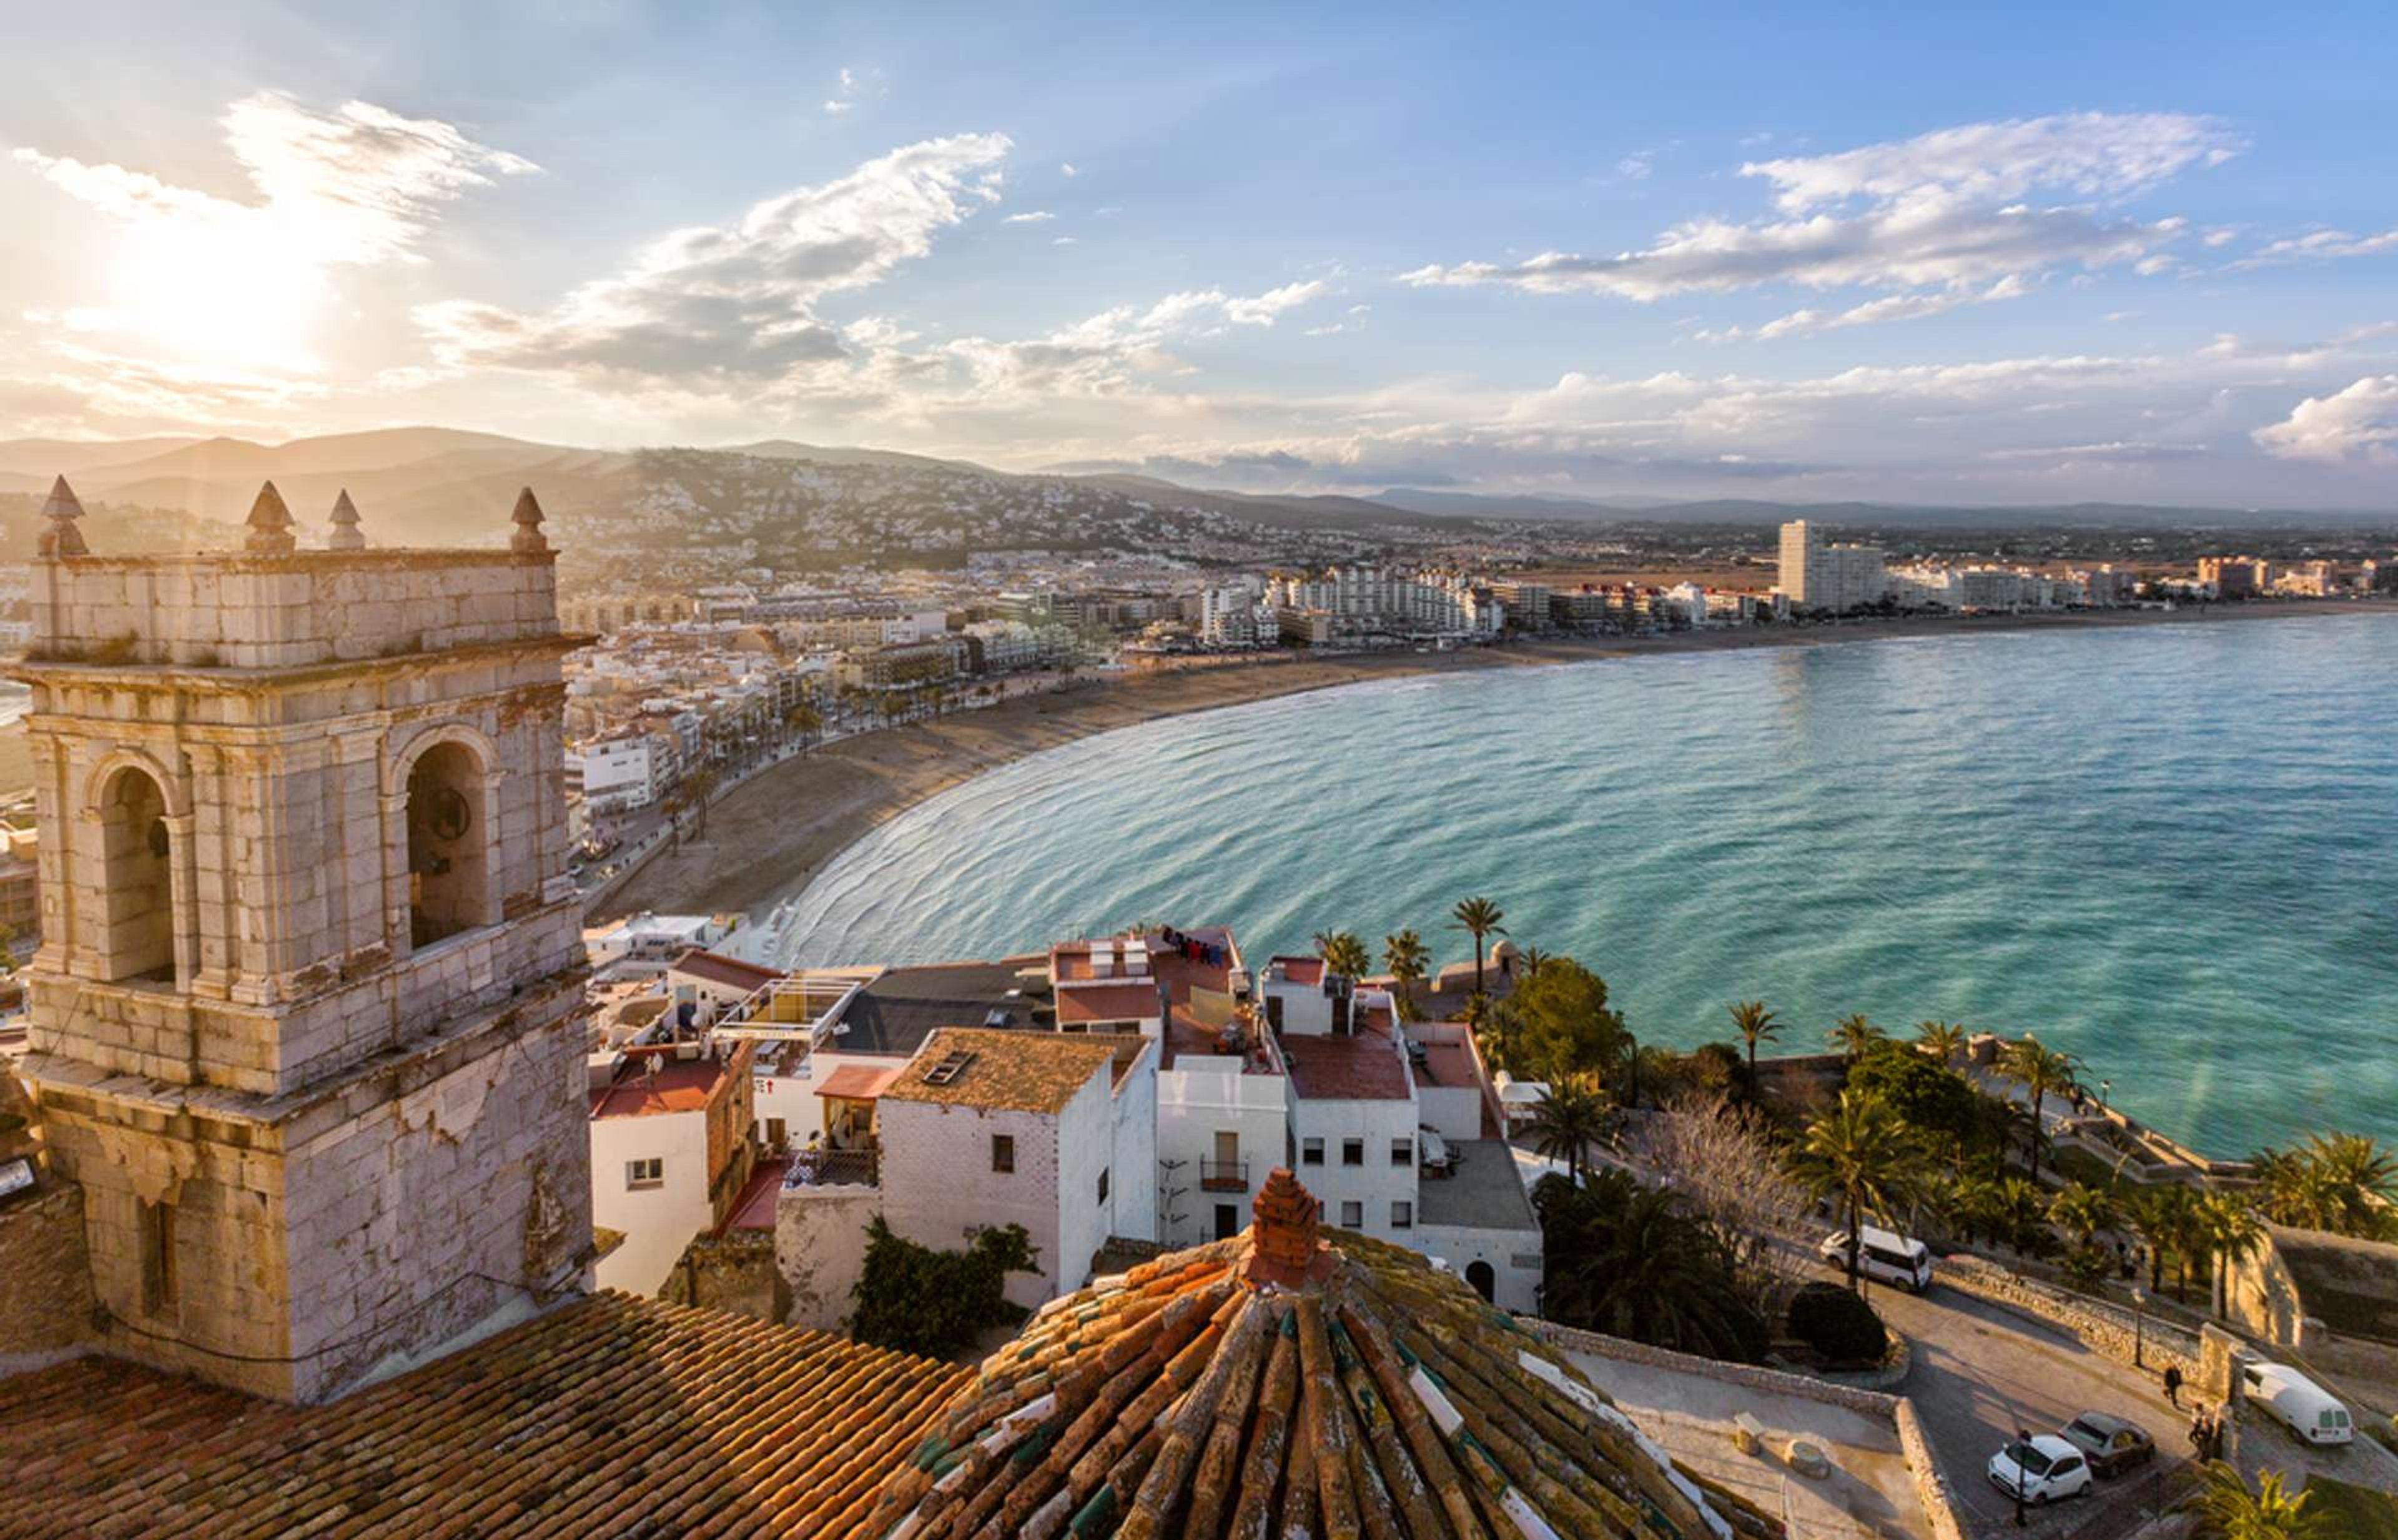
x=1283, y=1234
x=270, y=524
x=528, y=540
x=345, y=535
x=60, y=536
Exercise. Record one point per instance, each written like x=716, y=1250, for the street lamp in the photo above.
x=2139, y=1323
x=2104, y=1087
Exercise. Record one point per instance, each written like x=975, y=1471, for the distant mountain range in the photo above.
x=432, y=485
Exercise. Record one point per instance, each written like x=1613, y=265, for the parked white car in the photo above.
x=2300, y=1404
x=2043, y=1469
x=1886, y=1258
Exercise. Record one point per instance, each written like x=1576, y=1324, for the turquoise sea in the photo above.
x=2170, y=849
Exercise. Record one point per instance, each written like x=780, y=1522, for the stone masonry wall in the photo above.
x=2104, y=1328
x=244, y=611
x=737, y=1273
x=820, y=1250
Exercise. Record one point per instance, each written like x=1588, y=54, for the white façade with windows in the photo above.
x=649, y=1184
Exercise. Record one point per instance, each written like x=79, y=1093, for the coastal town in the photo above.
x=364, y=1144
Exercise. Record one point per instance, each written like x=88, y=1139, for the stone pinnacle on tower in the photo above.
x=528, y=540
x=59, y=535
x=270, y=524
x=345, y=535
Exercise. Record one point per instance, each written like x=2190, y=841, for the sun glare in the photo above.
x=240, y=294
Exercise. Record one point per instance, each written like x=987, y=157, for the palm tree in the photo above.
x=1498, y=1018
x=1861, y=1155
x=1625, y=1259
x=1942, y=1040
x=2082, y=1210
x=1478, y=918
x=2232, y=1231
x=1343, y=954
x=1754, y=1025
x=1853, y=1034
x=1568, y=1120
x=2019, y=1212
x=1529, y=961
x=2042, y=1070
x=2226, y=1509
x=1406, y=955
x=2341, y=1182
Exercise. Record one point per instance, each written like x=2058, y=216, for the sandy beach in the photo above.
x=768, y=836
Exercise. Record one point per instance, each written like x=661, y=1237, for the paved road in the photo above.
x=1982, y=1371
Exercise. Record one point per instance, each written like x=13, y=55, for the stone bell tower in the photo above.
x=304, y=1019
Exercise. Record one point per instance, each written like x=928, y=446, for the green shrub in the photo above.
x=1839, y=1325
x=913, y=1299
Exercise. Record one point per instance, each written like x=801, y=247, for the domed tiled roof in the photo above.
x=1281, y=1382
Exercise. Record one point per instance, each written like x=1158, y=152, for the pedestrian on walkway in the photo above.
x=2173, y=1386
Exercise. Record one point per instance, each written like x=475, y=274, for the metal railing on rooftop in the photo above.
x=821, y=1168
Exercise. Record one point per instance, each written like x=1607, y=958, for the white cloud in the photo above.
x=1943, y=211
x=1067, y=169
x=2322, y=246
x=2091, y=154
x=359, y=184
x=712, y=304
x=1065, y=240
x=1036, y=216
x=1637, y=165
x=851, y=87
x=1261, y=309
x=2359, y=423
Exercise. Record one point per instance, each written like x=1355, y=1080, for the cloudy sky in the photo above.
x=2008, y=253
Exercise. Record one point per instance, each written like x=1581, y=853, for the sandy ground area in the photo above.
x=771, y=834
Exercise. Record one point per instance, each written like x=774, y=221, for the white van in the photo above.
x=1886, y=1258
x=2304, y=1407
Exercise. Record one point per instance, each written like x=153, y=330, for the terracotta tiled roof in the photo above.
x=1337, y=1068
x=1111, y=1000
x=732, y=972
x=1231, y=1391
x=681, y=1086
x=858, y=1082
x=608, y=1416
x=1032, y=1071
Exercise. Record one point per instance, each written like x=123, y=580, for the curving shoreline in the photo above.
x=770, y=836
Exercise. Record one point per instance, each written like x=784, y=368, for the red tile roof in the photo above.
x=732, y=972
x=607, y=1416
x=1342, y=1388
x=754, y=1209
x=1302, y=970
x=1114, y=1000
x=1363, y=1068
x=858, y=1082
x=681, y=1086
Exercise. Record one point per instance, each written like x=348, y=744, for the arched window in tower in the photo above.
x=447, y=885
x=138, y=909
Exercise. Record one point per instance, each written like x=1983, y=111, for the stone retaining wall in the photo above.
x=49, y=1304
x=1931, y=1488
x=2104, y=1328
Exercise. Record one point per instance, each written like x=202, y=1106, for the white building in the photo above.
x=1054, y=1132
x=670, y=1151
x=1227, y=614
x=1818, y=576
x=623, y=771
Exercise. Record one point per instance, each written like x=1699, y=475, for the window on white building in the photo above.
x=1403, y=1151
x=649, y=1172
x=1311, y=1152
x=1353, y=1152
x=1003, y=1153
x=1103, y=1186
x=1352, y=1214
x=1403, y=1214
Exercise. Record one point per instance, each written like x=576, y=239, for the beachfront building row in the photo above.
x=1112, y=1096
x=1359, y=604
